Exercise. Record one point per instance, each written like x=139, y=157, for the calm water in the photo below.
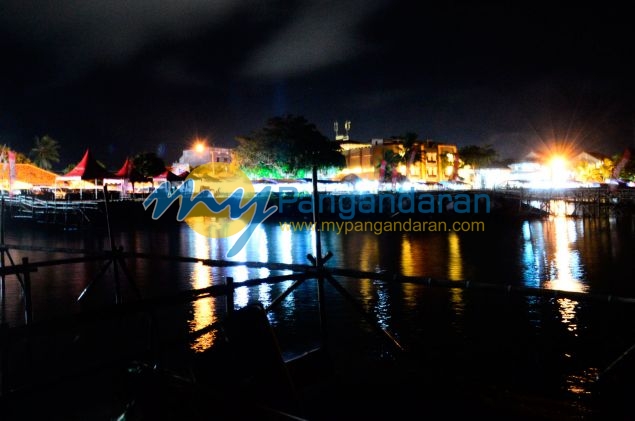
x=588, y=255
x=551, y=345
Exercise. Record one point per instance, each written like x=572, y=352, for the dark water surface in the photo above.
x=547, y=346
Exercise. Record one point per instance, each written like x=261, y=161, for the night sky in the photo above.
x=124, y=77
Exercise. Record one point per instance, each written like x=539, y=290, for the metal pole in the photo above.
x=113, y=250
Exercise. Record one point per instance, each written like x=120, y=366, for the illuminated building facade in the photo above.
x=426, y=161
x=203, y=154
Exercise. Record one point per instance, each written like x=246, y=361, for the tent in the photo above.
x=130, y=173
x=86, y=172
x=87, y=169
x=15, y=185
x=127, y=174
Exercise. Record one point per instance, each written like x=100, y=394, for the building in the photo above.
x=592, y=167
x=527, y=171
x=541, y=171
x=491, y=177
x=427, y=161
x=201, y=154
x=359, y=159
x=589, y=158
x=439, y=162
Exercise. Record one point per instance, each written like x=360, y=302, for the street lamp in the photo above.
x=200, y=147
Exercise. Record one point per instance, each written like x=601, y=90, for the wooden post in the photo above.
x=229, y=295
x=319, y=260
x=316, y=219
x=28, y=311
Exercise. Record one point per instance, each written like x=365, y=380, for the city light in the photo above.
x=200, y=147
x=559, y=172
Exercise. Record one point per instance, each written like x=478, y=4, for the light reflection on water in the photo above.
x=455, y=260
x=568, y=310
x=560, y=253
x=241, y=296
x=376, y=300
x=455, y=273
x=577, y=383
x=204, y=310
x=551, y=260
x=204, y=315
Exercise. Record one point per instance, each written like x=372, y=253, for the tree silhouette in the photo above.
x=388, y=165
x=478, y=156
x=412, y=149
x=287, y=146
x=148, y=164
x=45, y=152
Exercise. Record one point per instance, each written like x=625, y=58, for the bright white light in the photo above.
x=366, y=186
x=559, y=173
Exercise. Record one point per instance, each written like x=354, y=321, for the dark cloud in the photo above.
x=107, y=30
x=319, y=35
x=129, y=76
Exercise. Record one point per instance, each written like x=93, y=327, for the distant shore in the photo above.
x=383, y=206
x=350, y=207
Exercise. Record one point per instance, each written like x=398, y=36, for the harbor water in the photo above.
x=540, y=345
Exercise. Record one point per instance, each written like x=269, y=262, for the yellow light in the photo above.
x=199, y=147
x=558, y=166
x=558, y=162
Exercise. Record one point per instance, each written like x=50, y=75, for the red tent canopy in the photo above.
x=129, y=172
x=87, y=169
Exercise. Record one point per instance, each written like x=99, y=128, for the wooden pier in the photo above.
x=576, y=202
x=65, y=213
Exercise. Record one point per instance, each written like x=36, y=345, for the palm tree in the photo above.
x=412, y=150
x=45, y=152
x=390, y=161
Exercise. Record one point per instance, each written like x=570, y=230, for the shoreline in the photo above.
x=469, y=205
